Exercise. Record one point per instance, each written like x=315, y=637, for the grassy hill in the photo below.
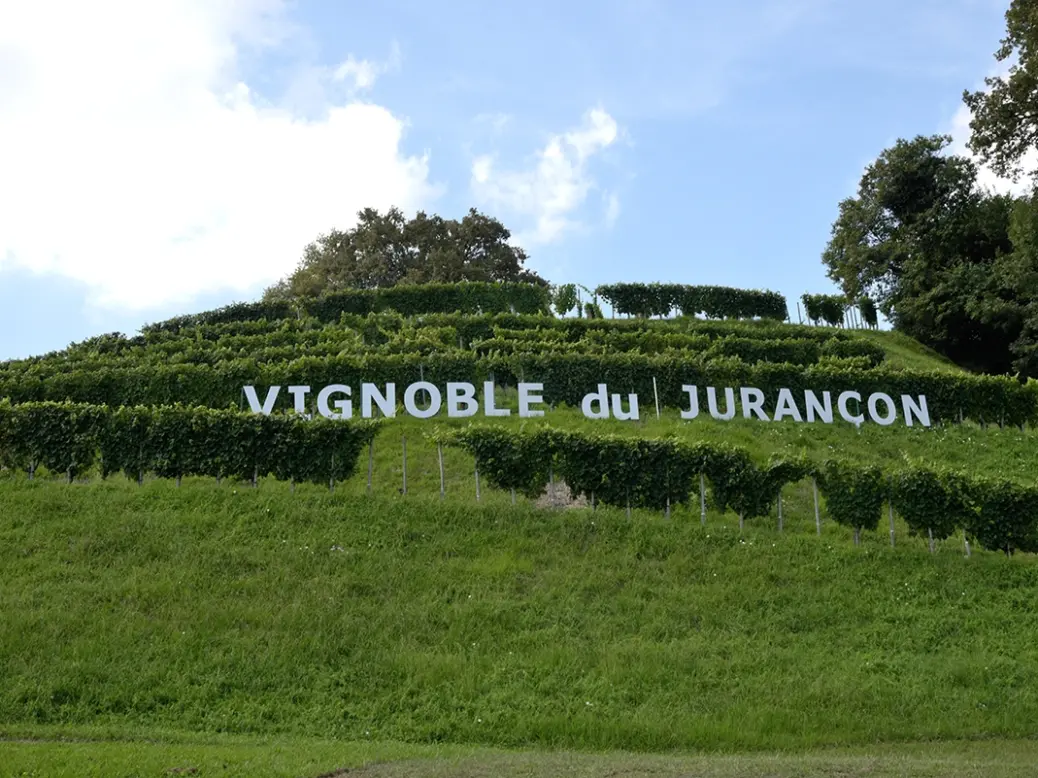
x=466, y=621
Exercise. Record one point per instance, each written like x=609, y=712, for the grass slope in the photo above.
x=217, y=609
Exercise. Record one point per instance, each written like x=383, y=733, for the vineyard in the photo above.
x=173, y=560
x=170, y=402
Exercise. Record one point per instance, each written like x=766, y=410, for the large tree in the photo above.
x=1005, y=114
x=934, y=251
x=388, y=249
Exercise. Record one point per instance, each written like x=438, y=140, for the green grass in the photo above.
x=294, y=757
x=220, y=609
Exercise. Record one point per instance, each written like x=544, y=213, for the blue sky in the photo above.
x=170, y=157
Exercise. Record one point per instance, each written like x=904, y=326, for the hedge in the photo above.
x=465, y=297
x=714, y=302
x=622, y=471
x=567, y=378
x=176, y=441
x=825, y=307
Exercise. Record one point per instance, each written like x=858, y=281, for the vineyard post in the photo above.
x=439, y=453
x=371, y=461
x=702, y=499
x=741, y=521
x=929, y=532
x=551, y=486
x=32, y=470
x=656, y=394
x=799, y=317
x=404, y=440
x=513, y=495
x=966, y=543
x=890, y=511
x=628, y=503
x=818, y=515
x=780, y=510
x=477, y=484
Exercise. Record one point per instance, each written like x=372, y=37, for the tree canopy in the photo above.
x=388, y=249
x=1004, y=126
x=946, y=262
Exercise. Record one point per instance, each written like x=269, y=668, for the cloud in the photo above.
x=555, y=186
x=362, y=74
x=136, y=160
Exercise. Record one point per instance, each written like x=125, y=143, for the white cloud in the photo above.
x=134, y=160
x=553, y=189
x=960, y=132
x=362, y=74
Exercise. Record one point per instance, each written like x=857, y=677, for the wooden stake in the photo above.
x=890, y=511
x=656, y=394
x=404, y=439
x=477, y=484
x=930, y=533
x=857, y=536
x=966, y=544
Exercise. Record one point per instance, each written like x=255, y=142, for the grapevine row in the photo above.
x=410, y=300
x=177, y=441
x=658, y=473
x=566, y=379
x=714, y=302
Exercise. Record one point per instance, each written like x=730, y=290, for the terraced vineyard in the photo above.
x=174, y=560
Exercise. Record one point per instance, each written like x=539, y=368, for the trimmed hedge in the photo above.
x=176, y=441
x=471, y=297
x=714, y=302
x=623, y=471
x=567, y=378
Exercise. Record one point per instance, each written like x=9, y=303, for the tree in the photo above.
x=933, y=251
x=387, y=249
x=1004, y=126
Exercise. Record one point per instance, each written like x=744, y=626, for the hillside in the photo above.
x=172, y=561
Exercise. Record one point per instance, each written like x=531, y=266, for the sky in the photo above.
x=173, y=156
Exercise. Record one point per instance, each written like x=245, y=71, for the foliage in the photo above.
x=565, y=299
x=567, y=378
x=410, y=300
x=178, y=441
x=829, y=308
x=853, y=493
x=937, y=253
x=930, y=500
x=1004, y=116
x=508, y=461
x=867, y=306
x=386, y=250
x=1006, y=515
x=714, y=302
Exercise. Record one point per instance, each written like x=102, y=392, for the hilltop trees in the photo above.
x=1005, y=115
x=388, y=249
x=947, y=263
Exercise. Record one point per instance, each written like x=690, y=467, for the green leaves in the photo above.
x=178, y=441
x=854, y=494
x=714, y=302
x=470, y=297
x=825, y=307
